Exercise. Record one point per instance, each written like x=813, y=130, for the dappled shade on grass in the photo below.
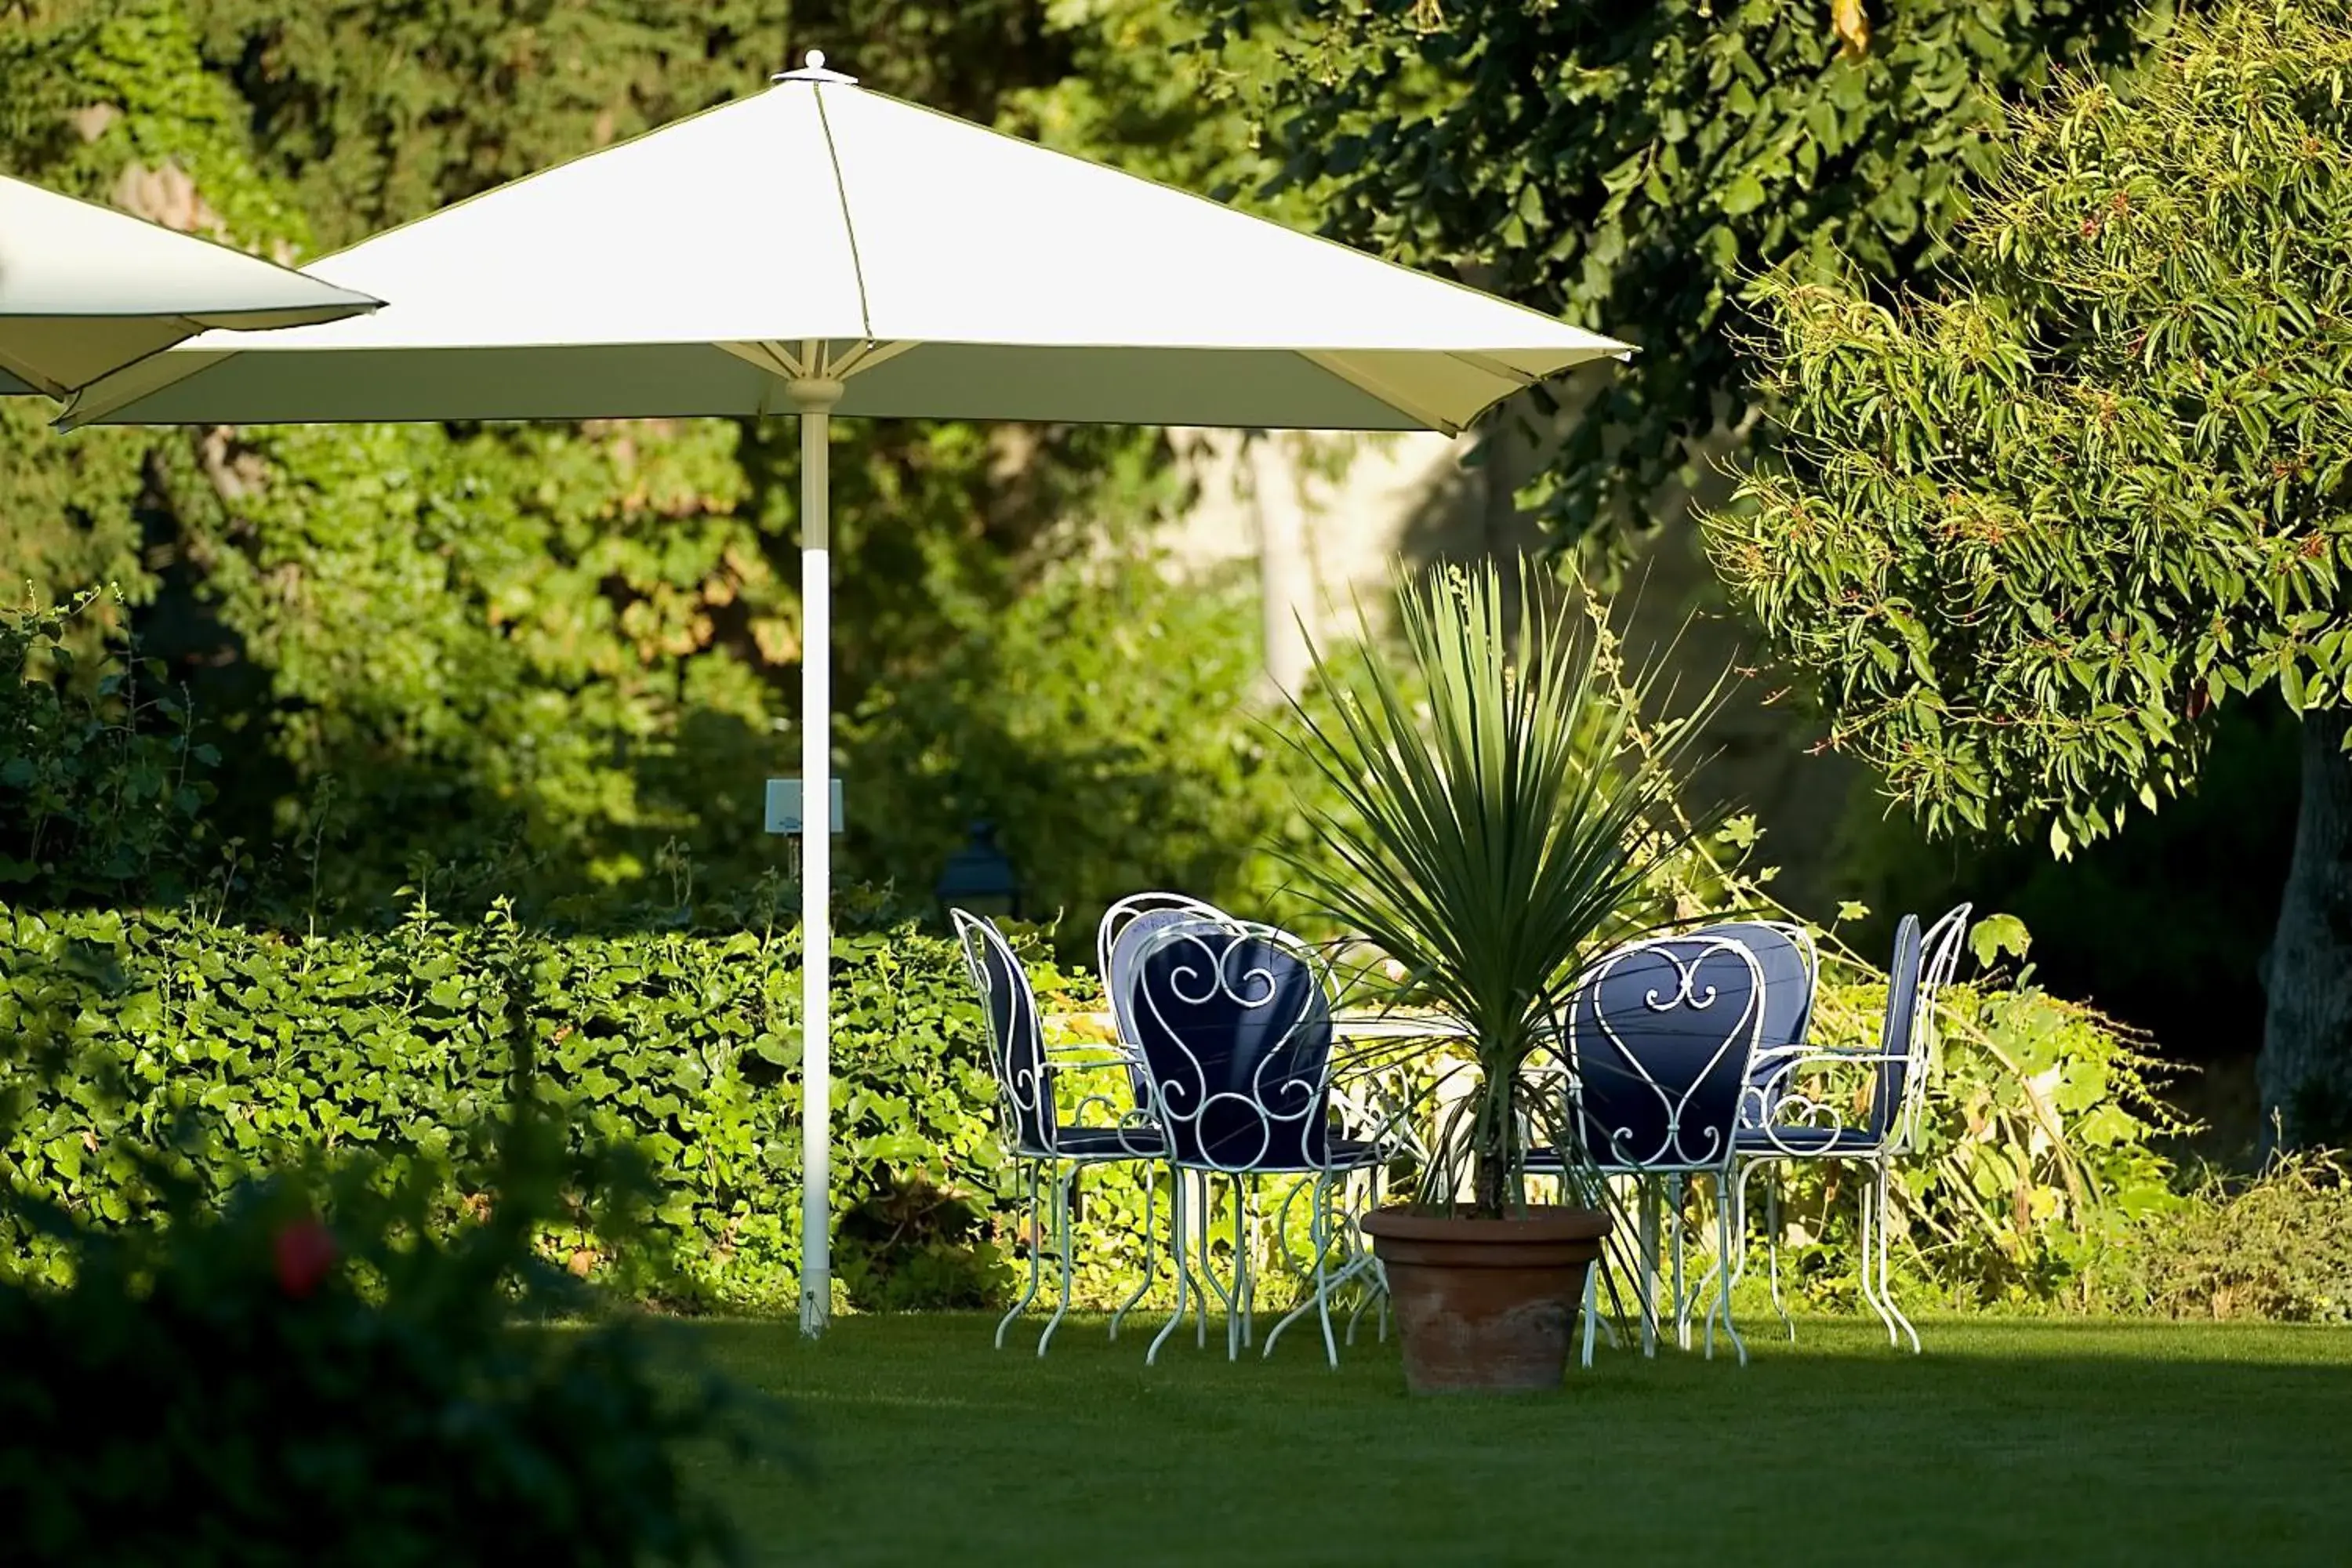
x=2074, y=1442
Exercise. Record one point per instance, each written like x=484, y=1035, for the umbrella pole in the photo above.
x=814, y=397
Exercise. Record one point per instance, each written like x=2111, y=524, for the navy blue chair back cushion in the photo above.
x=1238, y=1034
x=1016, y=1038
x=1661, y=1035
x=1896, y=1039
x=1118, y=986
x=1787, y=976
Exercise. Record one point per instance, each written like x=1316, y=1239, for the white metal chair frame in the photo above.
x=1179, y=1107
x=1026, y=1104
x=1118, y=938
x=1791, y=1117
x=1682, y=1151
x=1769, y=1054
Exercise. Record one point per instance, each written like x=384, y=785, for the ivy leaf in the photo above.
x=1996, y=934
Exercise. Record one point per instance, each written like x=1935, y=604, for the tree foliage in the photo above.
x=572, y=651
x=1627, y=164
x=2028, y=530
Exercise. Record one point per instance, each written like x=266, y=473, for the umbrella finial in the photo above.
x=814, y=70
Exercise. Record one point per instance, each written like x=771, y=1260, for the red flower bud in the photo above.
x=305, y=1253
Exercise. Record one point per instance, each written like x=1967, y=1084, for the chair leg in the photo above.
x=1319, y=1225
x=1591, y=1306
x=1178, y=1262
x=1723, y=1293
x=1238, y=1312
x=1065, y=1190
x=1647, y=1289
x=1885, y=1279
x=1674, y=1231
x=1029, y=1215
x=1869, y=1192
x=1151, y=1251
x=1772, y=1248
x=1320, y=1239
x=1246, y=1237
x=1374, y=1293
x=1206, y=1225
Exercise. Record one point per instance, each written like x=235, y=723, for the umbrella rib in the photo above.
x=841, y=186
x=1494, y=366
x=22, y=371
x=1374, y=386
x=867, y=355
x=139, y=379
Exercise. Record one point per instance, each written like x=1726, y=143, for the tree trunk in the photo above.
x=2306, y=1063
x=1286, y=566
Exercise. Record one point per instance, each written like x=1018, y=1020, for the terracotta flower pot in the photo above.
x=1485, y=1304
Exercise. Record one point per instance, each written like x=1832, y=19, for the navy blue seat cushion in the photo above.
x=1887, y=1082
x=1895, y=1039
x=1017, y=1041
x=1118, y=986
x=1025, y=1075
x=1788, y=979
x=1102, y=1143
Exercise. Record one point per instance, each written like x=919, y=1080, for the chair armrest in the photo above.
x=1123, y=1117
x=1773, y=1099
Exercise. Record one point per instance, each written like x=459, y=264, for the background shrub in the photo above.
x=102, y=782
x=2278, y=1245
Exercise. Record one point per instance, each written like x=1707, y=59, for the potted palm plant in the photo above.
x=1495, y=817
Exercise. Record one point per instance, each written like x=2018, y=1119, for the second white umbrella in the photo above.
x=86, y=291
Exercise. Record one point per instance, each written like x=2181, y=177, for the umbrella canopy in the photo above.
x=85, y=290
x=821, y=250
x=948, y=270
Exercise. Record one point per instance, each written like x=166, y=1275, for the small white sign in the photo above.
x=784, y=806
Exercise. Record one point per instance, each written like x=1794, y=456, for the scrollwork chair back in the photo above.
x=1236, y=1028
x=1661, y=1035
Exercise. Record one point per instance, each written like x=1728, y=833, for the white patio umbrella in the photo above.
x=820, y=250
x=84, y=289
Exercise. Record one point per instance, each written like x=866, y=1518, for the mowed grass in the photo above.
x=2008, y=1443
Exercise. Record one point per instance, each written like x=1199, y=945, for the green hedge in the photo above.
x=682, y=1046
x=2037, y=1179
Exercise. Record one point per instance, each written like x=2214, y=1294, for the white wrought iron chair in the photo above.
x=1790, y=964
x=1861, y=1107
x=1119, y=940
x=1029, y=1118
x=1235, y=1021
x=1661, y=1036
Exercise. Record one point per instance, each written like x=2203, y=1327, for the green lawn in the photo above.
x=2009, y=1443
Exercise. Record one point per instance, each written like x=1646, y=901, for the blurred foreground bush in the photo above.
x=321, y=1367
